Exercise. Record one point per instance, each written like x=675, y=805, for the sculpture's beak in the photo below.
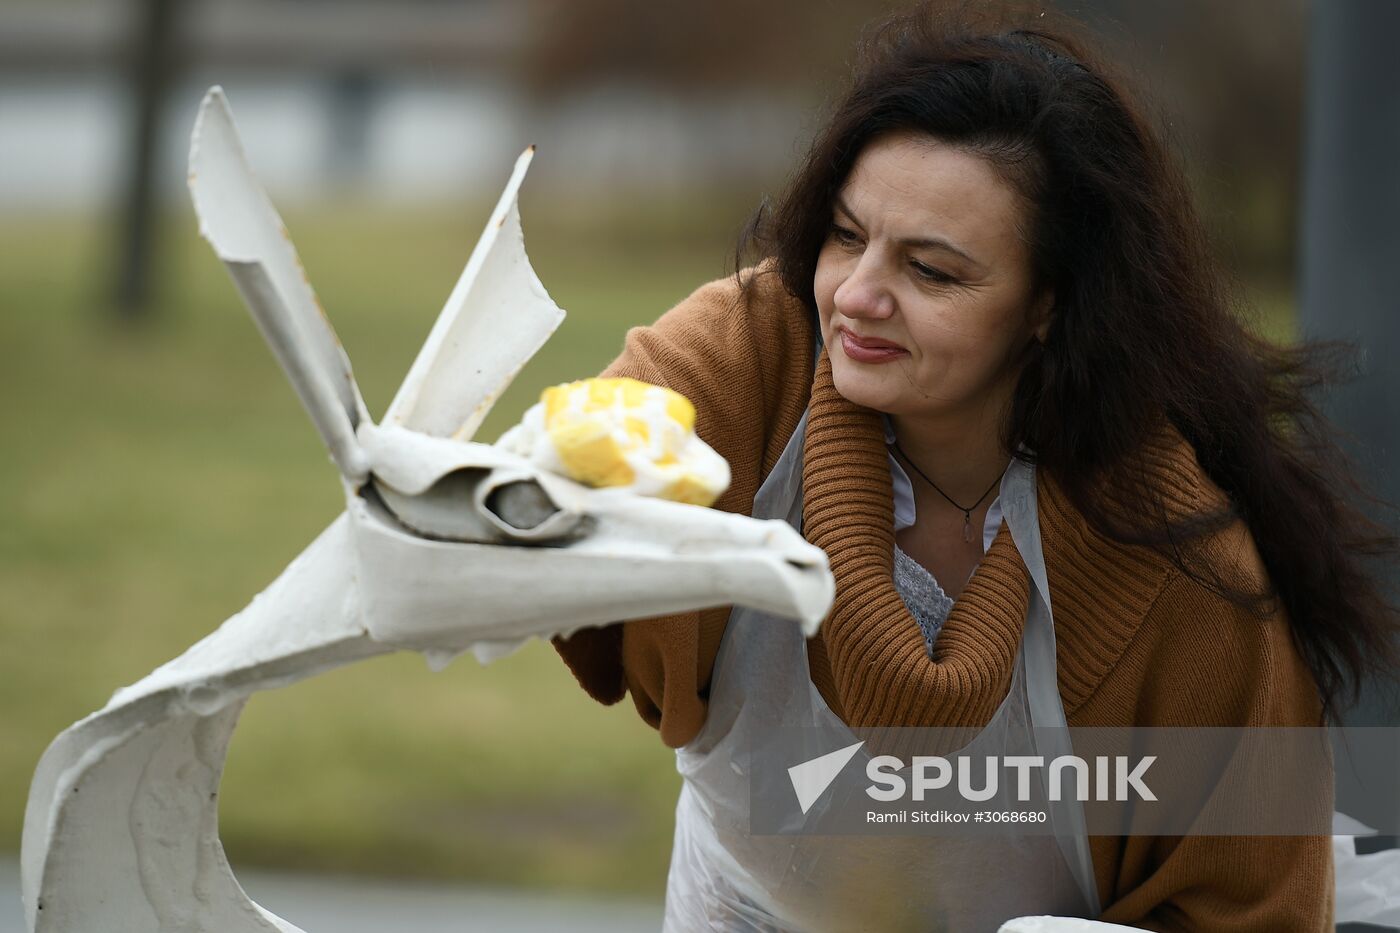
x=608, y=554
x=638, y=558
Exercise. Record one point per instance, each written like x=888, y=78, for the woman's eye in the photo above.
x=844, y=237
x=930, y=274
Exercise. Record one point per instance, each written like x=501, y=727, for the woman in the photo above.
x=988, y=268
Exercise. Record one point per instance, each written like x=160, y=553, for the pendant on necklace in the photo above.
x=967, y=527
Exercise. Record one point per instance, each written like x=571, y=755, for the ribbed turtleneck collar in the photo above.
x=869, y=660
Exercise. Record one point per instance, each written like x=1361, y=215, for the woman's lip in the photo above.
x=868, y=350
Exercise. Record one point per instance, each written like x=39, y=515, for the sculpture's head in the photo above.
x=461, y=543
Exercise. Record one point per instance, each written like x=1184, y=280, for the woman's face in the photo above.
x=923, y=286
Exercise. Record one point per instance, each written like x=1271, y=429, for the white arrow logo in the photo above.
x=811, y=778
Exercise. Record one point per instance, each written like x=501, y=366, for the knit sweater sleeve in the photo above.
x=738, y=356
x=1198, y=660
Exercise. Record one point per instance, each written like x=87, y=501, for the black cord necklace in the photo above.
x=967, y=512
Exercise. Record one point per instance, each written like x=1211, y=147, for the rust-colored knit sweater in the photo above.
x=1138, y=642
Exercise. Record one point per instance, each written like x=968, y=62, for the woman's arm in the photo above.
x=744, y=361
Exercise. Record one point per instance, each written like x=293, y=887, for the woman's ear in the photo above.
x=1043, y=314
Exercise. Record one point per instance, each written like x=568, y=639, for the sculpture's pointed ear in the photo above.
x=239, y=221
x=496, y=318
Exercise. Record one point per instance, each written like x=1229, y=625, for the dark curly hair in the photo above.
x=1147, y=323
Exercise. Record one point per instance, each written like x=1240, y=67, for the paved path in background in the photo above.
x=331, y=905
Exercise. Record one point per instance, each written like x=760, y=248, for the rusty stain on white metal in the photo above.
x=120, y=830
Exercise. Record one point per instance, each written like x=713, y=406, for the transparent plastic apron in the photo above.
x=722, y=877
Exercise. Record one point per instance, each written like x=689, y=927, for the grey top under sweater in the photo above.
x=922, y=595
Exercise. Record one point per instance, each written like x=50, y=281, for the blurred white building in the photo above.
x=405, y=102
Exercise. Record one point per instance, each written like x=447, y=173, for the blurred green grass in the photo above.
x=154, y=479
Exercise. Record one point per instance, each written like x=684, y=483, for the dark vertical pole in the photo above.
x=1350, y=255
x=150, y=72
x=1350, y=243
x=351, y=101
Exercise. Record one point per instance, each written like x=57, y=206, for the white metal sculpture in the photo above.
x=444, y=545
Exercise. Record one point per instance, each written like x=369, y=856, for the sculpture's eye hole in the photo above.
x=523, y=512
x=522, y=504
x=480, y=506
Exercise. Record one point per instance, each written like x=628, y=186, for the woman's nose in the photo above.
x=864, y=294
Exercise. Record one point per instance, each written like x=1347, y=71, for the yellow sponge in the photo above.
x=621, y=432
